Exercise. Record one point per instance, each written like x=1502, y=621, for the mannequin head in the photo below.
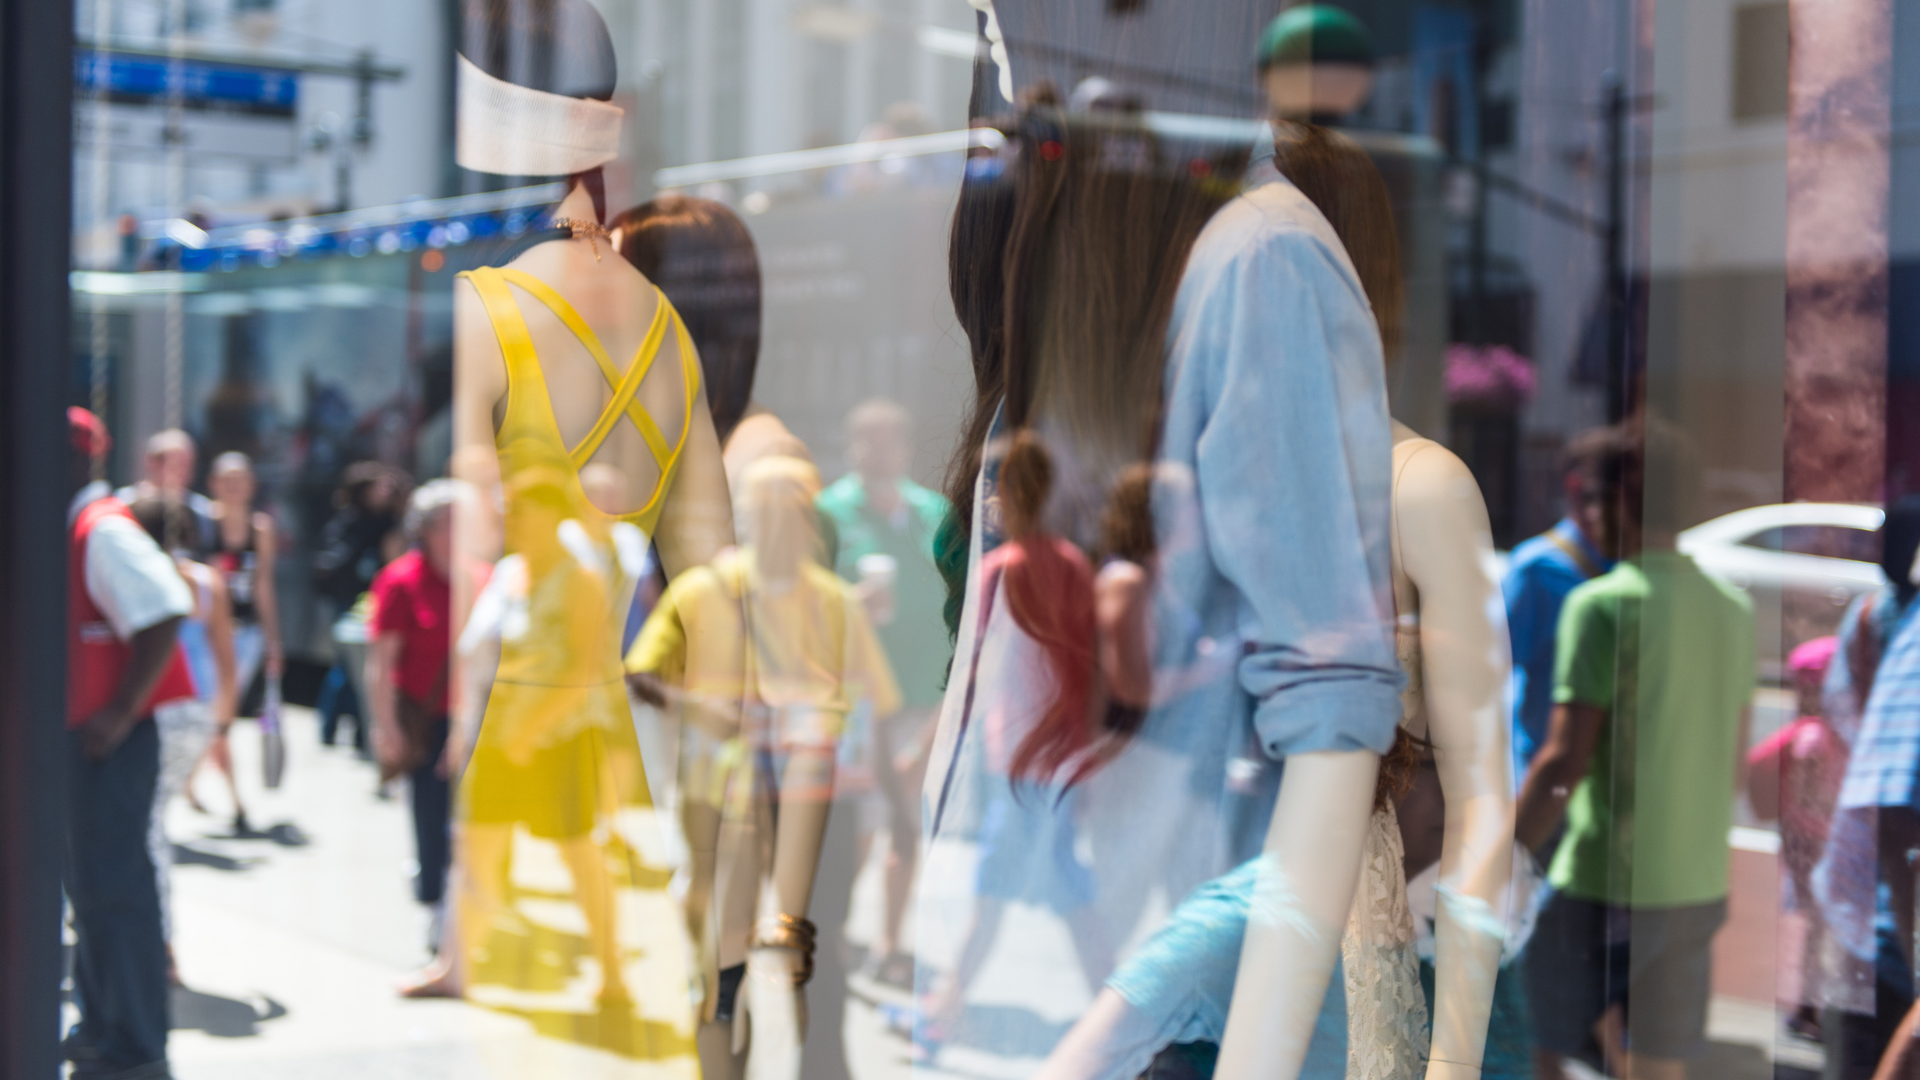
x=1316, y=63
x=1333, y=172
x=783, y=529
x=700, y=254
x=555, y=46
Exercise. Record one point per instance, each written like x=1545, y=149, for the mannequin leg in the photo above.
x=593, y=891
x=717, y=1059
x=484, y=850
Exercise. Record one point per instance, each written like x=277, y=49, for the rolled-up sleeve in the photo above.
x=1293, y=462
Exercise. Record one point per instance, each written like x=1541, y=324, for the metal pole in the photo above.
x=36, y=337
x=1619, y=371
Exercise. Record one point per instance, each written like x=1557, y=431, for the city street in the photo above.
x=290, y=940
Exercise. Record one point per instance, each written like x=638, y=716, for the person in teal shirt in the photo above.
x=886, y=525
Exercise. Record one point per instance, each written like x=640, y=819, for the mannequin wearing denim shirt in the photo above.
x=1272, y=609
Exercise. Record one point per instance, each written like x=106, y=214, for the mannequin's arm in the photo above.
x=1297, y=914
x=806, y=792
x=1446, y=548
x=479, y=382
x=696, y=522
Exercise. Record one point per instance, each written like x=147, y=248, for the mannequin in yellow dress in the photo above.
x=568, y=361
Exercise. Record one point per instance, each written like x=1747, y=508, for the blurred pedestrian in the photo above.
x=886, y=524
x=813, y=665
x=1884, y=772
x=168, y=466
x=362, y=536
x=1794, y=777
x=1653, y=675
x=188, y=726
x=1540, y=574
x=244, y=554
x=1865, y=981
x=408, y=664
x=125, y=603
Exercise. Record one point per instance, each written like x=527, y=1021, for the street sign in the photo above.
x=196, y=132
x=136, y=79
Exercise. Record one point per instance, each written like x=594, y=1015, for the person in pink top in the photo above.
x=1794, y=777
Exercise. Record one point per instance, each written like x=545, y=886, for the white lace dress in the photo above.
x=1386, y=1009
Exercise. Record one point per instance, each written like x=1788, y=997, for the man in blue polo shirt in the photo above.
x=1540, y=574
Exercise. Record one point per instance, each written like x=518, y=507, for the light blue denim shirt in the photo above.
x=1276, y=401
x=1273, y=634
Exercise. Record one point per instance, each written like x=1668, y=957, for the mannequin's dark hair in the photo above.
x=1338, y=177
x=559, y=46
x=1063, y=279
x=702, y=256
x=1070, y=332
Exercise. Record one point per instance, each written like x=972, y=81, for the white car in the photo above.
x=1802, y=563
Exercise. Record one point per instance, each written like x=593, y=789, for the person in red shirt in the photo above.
x=125, y=603
x=407, y=668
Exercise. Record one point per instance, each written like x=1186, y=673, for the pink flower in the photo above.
x=1492, y=375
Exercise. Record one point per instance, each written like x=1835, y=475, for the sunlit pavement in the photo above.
x=290, y=940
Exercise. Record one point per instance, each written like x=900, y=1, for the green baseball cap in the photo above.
x=1315, y=34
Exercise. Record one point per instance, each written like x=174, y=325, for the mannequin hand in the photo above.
x=778, y=1012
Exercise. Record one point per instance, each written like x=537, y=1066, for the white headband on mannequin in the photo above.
x=518, y=131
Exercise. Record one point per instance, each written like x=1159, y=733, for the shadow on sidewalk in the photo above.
x=183, y=855
x=221, y=1017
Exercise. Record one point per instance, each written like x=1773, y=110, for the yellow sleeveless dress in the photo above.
x=560, y=848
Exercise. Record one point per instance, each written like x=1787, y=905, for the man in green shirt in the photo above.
x=1654, y=670
x=886, y=524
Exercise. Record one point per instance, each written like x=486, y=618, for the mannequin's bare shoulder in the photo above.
x=588, y=282
x=1439, y=513
x=1430, y=479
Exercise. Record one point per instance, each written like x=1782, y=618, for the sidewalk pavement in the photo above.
x=290, y=940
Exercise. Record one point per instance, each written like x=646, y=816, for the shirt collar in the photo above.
x=81, y=499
